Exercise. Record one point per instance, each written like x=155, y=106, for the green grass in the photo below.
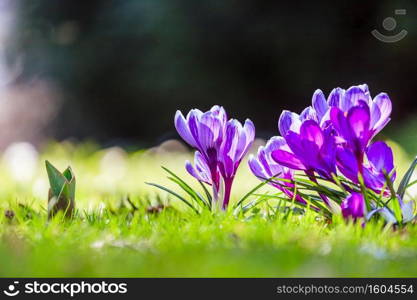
x=110, y=238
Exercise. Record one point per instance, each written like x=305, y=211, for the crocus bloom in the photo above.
x=265, y=167
x=236, y=144
x=379, y=163
x=221, y=145
x=311, y=148
x=407, y=212
x=353, y=128
x=204, y=132
x=353, y=207
x=356, y=117
x=380, y=106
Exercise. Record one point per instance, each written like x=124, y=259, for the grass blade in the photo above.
x=174, y=194
x=406, y=179
x=189, y=190
x=193, y=194
x=208, y=195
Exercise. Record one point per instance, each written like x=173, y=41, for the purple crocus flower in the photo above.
x=379, y=161
x=353, y=207
x=265, y=167
x=353, y=129
x=237, y=141
x=221, y=145
x=204, y=132
x=311, y=148
x=407, y=212
x=356, y=118
x=379, y=107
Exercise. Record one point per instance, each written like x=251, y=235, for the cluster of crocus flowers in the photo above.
x=332, y=140
x=220, y=144
x=333, y=136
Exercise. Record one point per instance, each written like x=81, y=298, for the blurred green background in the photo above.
x=116, y=71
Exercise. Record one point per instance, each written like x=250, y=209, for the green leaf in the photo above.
x=68, y=173
x=208, y=195
x=406, y=179
x=65, y=192
x=174, y=194
x=193, y=194
x=63, y=202
x=314, y=186
x=71, y=189
x=411, y=183
x=322, y=208
x=396, y=203
x=56, y=179
x=189, y=190
x=397, y=210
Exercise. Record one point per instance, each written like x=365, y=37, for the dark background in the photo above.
x=124, y=67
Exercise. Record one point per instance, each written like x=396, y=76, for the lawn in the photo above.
x=125, y=228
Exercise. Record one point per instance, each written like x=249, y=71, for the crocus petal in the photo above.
x=328, y=151
x=381, y=107
x=247, y=136
x=183, y=129
x=364, y=87
x=220, y=113
x=201, y=170
x=236, y=143
x=352, y=97
x=272, y=168
x=312, y=132
x=353, y=206
x=288, y=121
x=407, y=209
x=375, y=114
x=304, y=149
x=190, y=169
x=380, y=156
x=264, y=166
x=244, y=137
x=294, y=142
x=359, y=121
x=335, y=97
x=319, y=104
x=276, y=143
x=340, y=123
x=381, y=162
x=193, y=119
x=227, y=167
x=384, y=213
x=210, y=132
x=347, y=163
x=373, y=180
x=387, y=215
x=287, y=159
x=229, y=148
x=308, y=114
x=257, y=168
x=231, y=137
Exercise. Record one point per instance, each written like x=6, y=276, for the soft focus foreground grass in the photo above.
x=109, y=238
